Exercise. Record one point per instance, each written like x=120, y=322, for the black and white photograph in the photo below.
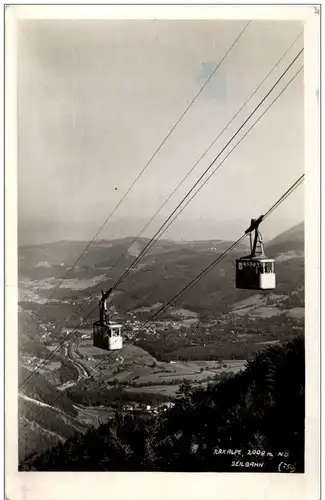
x=161, y=245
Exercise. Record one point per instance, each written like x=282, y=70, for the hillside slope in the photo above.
x=289, y=243
x=292, y=235
x=216, y=292
x=46, y=417
x=156, y=278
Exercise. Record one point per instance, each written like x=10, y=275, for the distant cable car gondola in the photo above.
x=106, y=335
x=255, y=271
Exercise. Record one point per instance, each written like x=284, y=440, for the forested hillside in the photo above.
x=258, y=414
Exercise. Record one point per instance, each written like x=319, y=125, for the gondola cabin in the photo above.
x=255, y=274
x=255, y=271
x=107, y=336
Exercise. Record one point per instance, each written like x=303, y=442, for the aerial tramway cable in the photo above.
x=225, y=158
x=143, y=252
x=204, y=154
x=145, y=167
x=137, y=178
x=194, y=281
x=152, y=241
x=119, y=281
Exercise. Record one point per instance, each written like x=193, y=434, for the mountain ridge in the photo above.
x=33, y=232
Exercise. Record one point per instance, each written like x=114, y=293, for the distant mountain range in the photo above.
x=102, y=252
x=167, y=267
x=33, y=232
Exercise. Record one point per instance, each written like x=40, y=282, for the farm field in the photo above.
x=136, y=367
x=189, y=371
x=166, y=390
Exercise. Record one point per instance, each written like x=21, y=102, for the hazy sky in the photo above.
x=96, y=98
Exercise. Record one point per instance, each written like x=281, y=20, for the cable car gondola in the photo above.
x=106, y=335
x=255, y=271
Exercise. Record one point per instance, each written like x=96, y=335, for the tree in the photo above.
x=184, y=390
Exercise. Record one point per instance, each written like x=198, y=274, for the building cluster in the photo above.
x=143, y=407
